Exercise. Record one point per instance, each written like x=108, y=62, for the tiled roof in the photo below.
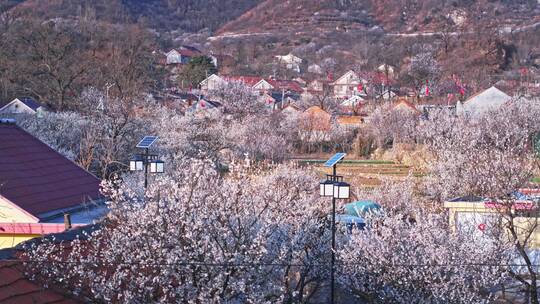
x=277, y=96
x=16, y=288
x=350, y=120
x=289, y=85
x=401, y=103
x=38, y=179
x=31, y=103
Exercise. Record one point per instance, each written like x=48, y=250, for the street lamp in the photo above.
x=341, y=190
x=327, y=187
x=157, y=166
x=334, y=187
x=136, y=163
x=140, y=162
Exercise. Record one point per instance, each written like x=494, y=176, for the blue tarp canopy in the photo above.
x=349, y=219
x=360, y=208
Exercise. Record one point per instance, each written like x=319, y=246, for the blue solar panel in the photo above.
x=334, y=159
x=147, y=141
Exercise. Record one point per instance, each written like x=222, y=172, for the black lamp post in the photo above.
x=143, y=161
x=334, y=187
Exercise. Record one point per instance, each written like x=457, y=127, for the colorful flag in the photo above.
x=427, y=87
x=360, y=87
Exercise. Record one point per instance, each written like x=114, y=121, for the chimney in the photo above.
x=67, y=221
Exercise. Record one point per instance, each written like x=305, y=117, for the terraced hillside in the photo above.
x=364, y=173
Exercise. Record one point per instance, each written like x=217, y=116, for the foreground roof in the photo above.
x=17, y=288
x=37, y=178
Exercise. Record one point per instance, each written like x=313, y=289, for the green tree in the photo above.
x=196, y=71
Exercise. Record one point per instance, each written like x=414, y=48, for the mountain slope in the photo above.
x=161, y=15
x=406, y=16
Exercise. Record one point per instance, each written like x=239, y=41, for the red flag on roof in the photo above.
x=360, y=87
x=427, y=87
x=458, y=85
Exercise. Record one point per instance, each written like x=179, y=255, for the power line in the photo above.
x=232, y=265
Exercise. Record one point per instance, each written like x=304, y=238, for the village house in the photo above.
x=23, y=105
x=278, y=100
x=39, y=186
x=483, y=102
x=202, y=107
x=315, y=124
x=291, y=111
x=472, y=214
x=19, y=286
x=257, y=83
x=406, y=106
x=352, y=101
x=179, y=101
x=348, y=85
x=211, y=83
x=184, y=53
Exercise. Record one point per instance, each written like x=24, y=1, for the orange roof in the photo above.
x=316, y=110
x=315, y=118
x=350, y=120
x=403, y=102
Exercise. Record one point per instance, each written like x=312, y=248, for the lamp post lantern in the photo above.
x=141, y=162
x=334, y=187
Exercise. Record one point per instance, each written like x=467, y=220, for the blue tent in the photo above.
x=360, y=208
x=350, y=221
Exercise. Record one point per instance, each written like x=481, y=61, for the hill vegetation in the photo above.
x=161, y=15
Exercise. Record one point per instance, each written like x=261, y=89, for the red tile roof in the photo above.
x=289, y=85
x=15, y=288
x=38, y=179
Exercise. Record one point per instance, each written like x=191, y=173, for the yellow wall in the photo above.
x=479, y=207
x=11, y=240
x=10, y=213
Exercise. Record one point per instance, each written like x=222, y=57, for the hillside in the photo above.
x=391, y=15
x=161, y=15
x=234, y=17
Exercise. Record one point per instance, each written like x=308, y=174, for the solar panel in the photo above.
x=334, y=159
x=147, y=141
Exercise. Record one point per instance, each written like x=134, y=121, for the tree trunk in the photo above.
x=533, y=289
